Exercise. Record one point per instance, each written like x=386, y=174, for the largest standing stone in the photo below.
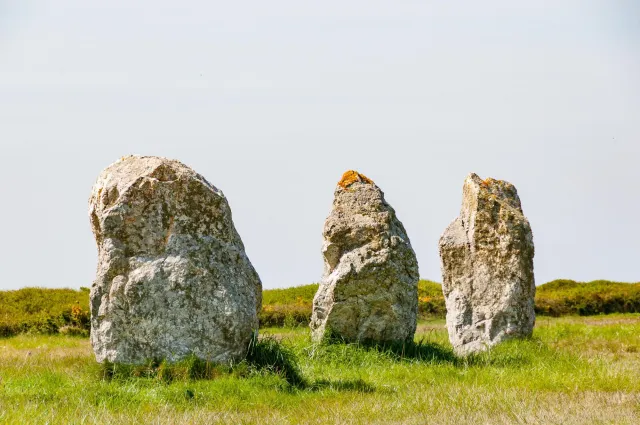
x=369, y=289
x=173, y=278
x=487, y=268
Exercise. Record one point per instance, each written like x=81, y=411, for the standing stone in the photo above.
x=487, y=268
x=369, y=291
x=173, y=278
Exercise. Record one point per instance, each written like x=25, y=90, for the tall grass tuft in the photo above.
x=265, y=355
x=190, y=368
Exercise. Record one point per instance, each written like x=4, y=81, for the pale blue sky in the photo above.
x=272, y=101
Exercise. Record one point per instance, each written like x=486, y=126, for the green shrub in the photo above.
x=302, y=295
x=430, y=299
x=71, y=330
x=285, y=315
x=43, y=310
x=567, y=297
x=49, y=311
x=289, y=307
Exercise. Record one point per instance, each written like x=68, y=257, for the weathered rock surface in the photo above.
x=487, y=267
x=369, y=289
x=173, y=278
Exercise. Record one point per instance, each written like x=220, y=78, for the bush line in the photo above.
x=50, y=311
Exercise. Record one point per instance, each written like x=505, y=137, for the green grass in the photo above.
x=575, y=370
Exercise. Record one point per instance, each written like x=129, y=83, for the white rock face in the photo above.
x=173, y=278
x=369, y=291
x=487, y=268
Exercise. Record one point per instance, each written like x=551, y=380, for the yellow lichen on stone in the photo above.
x=350, y=177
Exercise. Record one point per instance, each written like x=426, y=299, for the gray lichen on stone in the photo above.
x=487, y=267
x=173, y=278
x=369, y=289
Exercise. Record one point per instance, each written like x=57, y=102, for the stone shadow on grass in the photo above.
x=421, y=351
x=507, y=354
x=512, y=353
x=269, y=354
x=516, y=352
x=265, y=355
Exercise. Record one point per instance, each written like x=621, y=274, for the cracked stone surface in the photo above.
x=173, y=278
x=369, y=289
x=487, y=268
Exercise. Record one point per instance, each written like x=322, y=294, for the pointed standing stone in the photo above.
x=487, y=268
x=173, y=278
x=369, y=289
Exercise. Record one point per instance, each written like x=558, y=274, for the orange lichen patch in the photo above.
x=351, y=177
x=494, y=184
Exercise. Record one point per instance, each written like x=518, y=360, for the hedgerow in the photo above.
x=50, y=311
x=567, y=297
x=44, y=311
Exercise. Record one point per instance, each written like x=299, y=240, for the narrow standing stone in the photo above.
x=487, y=268
x=369, y=289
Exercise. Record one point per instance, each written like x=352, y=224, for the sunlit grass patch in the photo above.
x=574, y=370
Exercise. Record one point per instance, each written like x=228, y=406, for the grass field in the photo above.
x=576, y=370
